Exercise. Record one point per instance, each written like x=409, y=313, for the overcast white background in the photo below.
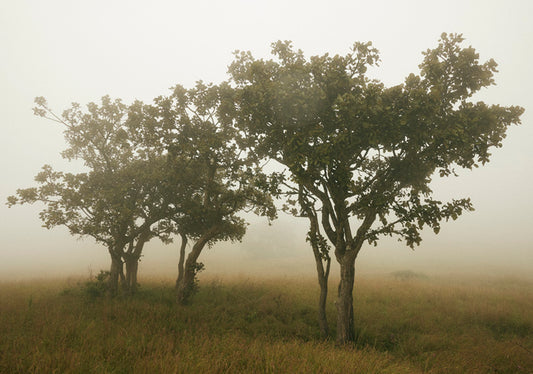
x=78, y=51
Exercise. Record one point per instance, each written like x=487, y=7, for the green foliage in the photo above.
x=210, y=179
x=229, y=181
x=119, y=198
x=366, y=152
x=97, y=286
x=320, y=243
x=197, y=268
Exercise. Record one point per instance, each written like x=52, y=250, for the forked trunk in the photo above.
x=131, y=259
x=345, y=316
x=346, y=258
x=132, y=266
x=186, y=286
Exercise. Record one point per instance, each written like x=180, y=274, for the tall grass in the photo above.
x=244, y=325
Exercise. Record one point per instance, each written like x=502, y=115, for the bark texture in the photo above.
x=186, y=285
x=131, y=259
x=130, y=285
x=323, y=282
x=181, y=260
x=345, y=316
x=115, y=273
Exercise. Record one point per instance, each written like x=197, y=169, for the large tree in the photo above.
x=362, y=155
x=118, y=201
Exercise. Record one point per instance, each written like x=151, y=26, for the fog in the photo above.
x=79, y=51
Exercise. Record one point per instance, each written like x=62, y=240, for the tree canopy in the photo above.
x=197, y=130
x=118, y=201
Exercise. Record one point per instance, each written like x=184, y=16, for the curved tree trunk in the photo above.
x=131, y=259
x=186, y=286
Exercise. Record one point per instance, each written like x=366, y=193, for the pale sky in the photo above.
x=74, y=51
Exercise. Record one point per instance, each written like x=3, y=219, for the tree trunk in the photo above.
x=322, y=318
x=132, y=266
x=346, y=255
x=186, y=285
x=115, y=272
x=345, y=317
x=323, y=275
x=131, y=259
x=181, y=260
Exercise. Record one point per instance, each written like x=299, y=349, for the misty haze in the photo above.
x=242, y=187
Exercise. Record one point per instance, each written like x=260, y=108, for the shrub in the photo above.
x=97, y=286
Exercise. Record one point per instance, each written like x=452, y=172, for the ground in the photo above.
x=415, y=324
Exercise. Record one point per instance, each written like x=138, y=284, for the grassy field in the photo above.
x=239, y=325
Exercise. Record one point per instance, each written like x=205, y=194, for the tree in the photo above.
x=118, y=202
x=212, y=180
x=362, y=155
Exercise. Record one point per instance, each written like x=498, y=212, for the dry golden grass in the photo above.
x=240, y=325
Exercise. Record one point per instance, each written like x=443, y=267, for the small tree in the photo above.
x=211, y=179
x=364, y=152
x=118, y=201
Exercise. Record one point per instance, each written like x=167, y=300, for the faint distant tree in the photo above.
x=212, y=181
x=118, y=201
x=363, y=154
